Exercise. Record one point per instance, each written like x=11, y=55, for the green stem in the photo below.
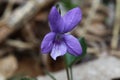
x=71, y=73
x=50, y=75
x=67, y=69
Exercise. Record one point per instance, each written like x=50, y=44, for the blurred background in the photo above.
x=24, y=23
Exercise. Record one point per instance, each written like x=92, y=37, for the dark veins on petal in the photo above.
x=58, y=38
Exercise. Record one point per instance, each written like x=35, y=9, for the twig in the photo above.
x=93, y=51
x=19, y=44
x=91, y=14
x=115, y=53
x=8, y=10
x=21, y=15
x=116, y=30
x=27, y=31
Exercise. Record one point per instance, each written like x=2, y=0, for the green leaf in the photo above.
x=21, y=78
x=24, y=78
x=70, y=59
x=68, y=4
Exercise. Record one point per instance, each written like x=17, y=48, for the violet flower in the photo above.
x=58, y=42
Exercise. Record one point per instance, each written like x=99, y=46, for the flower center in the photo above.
x=58, y=38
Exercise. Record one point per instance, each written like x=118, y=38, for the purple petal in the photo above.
x=47, y=43
x=58, y=50
x=56, y=21
x=73, y=45
x=72, y=18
